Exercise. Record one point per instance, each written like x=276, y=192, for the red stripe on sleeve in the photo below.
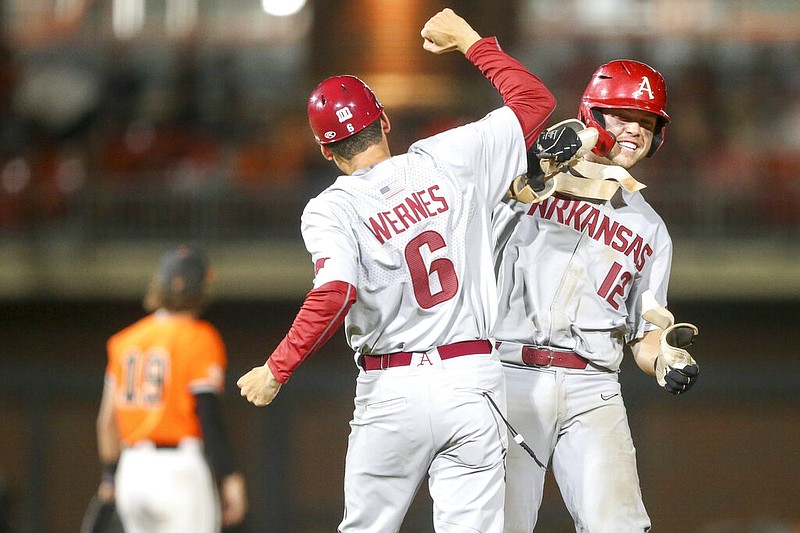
x=321, y=315
x=523, y=92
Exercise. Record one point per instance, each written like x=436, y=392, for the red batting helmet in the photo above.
x=341, y=106
x=624, y=84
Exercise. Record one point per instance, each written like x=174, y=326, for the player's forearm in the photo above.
x=645, y=351
x=108, y=440
x=108, y=444
x=322, y=314
x=523, y=92
x=215, y=437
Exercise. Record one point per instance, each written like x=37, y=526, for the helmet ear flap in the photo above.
x=658, y=138
x=605, y=140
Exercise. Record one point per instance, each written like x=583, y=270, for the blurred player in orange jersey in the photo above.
x=160, y=418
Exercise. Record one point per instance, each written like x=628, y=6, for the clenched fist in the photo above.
x=558, y=144
x=259, y=386
x=446, y=31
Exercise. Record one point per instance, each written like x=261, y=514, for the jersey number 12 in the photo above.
x=609, y=290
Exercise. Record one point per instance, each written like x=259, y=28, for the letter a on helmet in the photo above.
x=624, y=84
x=341, y=106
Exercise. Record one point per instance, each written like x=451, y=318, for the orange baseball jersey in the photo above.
x=156, y=366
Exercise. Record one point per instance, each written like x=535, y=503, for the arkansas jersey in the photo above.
x=576, y=271
x=411, y=234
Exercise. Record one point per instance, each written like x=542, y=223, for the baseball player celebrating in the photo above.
x=402, y=255
x=160, y=415
x=579, y=280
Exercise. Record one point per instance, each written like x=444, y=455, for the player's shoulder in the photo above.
x=328, y=209
x=650, y=220
x=198, y=340
x=205, y=328
x=639, y=203
x=131, y=329
x=339, y=192
x=494, y=122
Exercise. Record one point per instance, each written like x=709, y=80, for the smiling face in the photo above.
x=633, y=130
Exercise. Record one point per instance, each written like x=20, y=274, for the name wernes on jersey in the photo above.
x=415, y=208
x=588, y=219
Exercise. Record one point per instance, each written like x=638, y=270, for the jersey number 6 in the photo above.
x=422, y=277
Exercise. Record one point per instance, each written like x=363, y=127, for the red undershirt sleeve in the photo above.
x=523, y=92
x=321, y=315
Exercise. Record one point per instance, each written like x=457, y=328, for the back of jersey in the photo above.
x=412, y=235
x=157, y=365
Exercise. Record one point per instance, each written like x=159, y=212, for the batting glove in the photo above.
x=558, y=144
x=535, y=175
x=678, y=381
x=562, y=140
x=675, y=368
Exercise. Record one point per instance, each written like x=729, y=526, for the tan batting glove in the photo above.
x=446, y=31
x=676, y=369
x=259, y=386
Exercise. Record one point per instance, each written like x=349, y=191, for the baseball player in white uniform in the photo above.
x=575, y=277
x=402, y=252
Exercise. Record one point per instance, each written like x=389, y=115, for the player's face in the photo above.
x=633, y=129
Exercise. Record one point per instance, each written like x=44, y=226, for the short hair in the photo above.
x=355, y=144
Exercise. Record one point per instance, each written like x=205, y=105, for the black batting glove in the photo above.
x=681, y=380
x=559, y=144
x=534, y=174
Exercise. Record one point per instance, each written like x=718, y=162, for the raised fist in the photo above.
x=558, y=144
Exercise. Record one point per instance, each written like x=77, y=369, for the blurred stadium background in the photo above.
x=129, y=125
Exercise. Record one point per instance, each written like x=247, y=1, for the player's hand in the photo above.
x=233, y=499
x=446, y=31
x=680, y=380
x=106, y=491
x=259, y=386
x=676, y=370
x=534, y=174
x=558, y=144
